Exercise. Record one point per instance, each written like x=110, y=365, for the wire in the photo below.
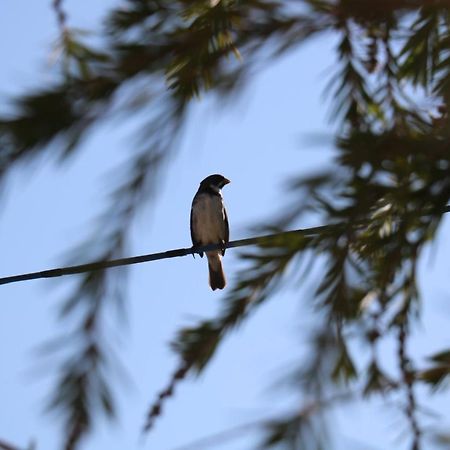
x=101, y=265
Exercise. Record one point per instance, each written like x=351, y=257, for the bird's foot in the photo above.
x=194, y=251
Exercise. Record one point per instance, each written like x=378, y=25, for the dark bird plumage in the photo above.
x=209, y=225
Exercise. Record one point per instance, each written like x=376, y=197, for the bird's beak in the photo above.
x=226, y=181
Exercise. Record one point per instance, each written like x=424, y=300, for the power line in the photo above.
x=101, y=265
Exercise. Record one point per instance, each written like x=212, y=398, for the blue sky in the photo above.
x=257, y=143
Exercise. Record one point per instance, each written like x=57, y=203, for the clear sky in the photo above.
x=46, y=209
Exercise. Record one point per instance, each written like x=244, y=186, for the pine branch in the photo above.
x=61, y=16
x=7, y=446
x=196, y=346
x=408, y=382
x=268, y=425
x=83, y=387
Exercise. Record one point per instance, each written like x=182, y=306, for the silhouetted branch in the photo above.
x=408, y=383
x=6, y=446
x=156, y=409
x=308, y=410
x=196, y=346
x=84, y=385
x=60, y=15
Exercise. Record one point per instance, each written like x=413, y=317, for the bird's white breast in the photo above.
x=208, y=216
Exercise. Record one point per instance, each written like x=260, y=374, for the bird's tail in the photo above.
x=216, y=275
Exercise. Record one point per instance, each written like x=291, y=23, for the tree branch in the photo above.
x=6, y=446
x=61, y=16
x=309, y=409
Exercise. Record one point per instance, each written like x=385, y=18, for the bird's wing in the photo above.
x=195, y=240
x=227, y=228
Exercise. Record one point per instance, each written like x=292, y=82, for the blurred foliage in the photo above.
x=7, y=446
x=383, y=202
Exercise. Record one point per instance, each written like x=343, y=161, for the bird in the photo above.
x=209, y=225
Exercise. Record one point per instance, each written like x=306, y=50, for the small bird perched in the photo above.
x=209, y=225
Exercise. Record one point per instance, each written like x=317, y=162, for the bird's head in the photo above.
x=215, y=182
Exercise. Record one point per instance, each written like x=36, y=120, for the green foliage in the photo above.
x=302, y=430
x=439, y=373
x=383, y=201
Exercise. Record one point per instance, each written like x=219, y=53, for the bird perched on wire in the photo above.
x=209, y=225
